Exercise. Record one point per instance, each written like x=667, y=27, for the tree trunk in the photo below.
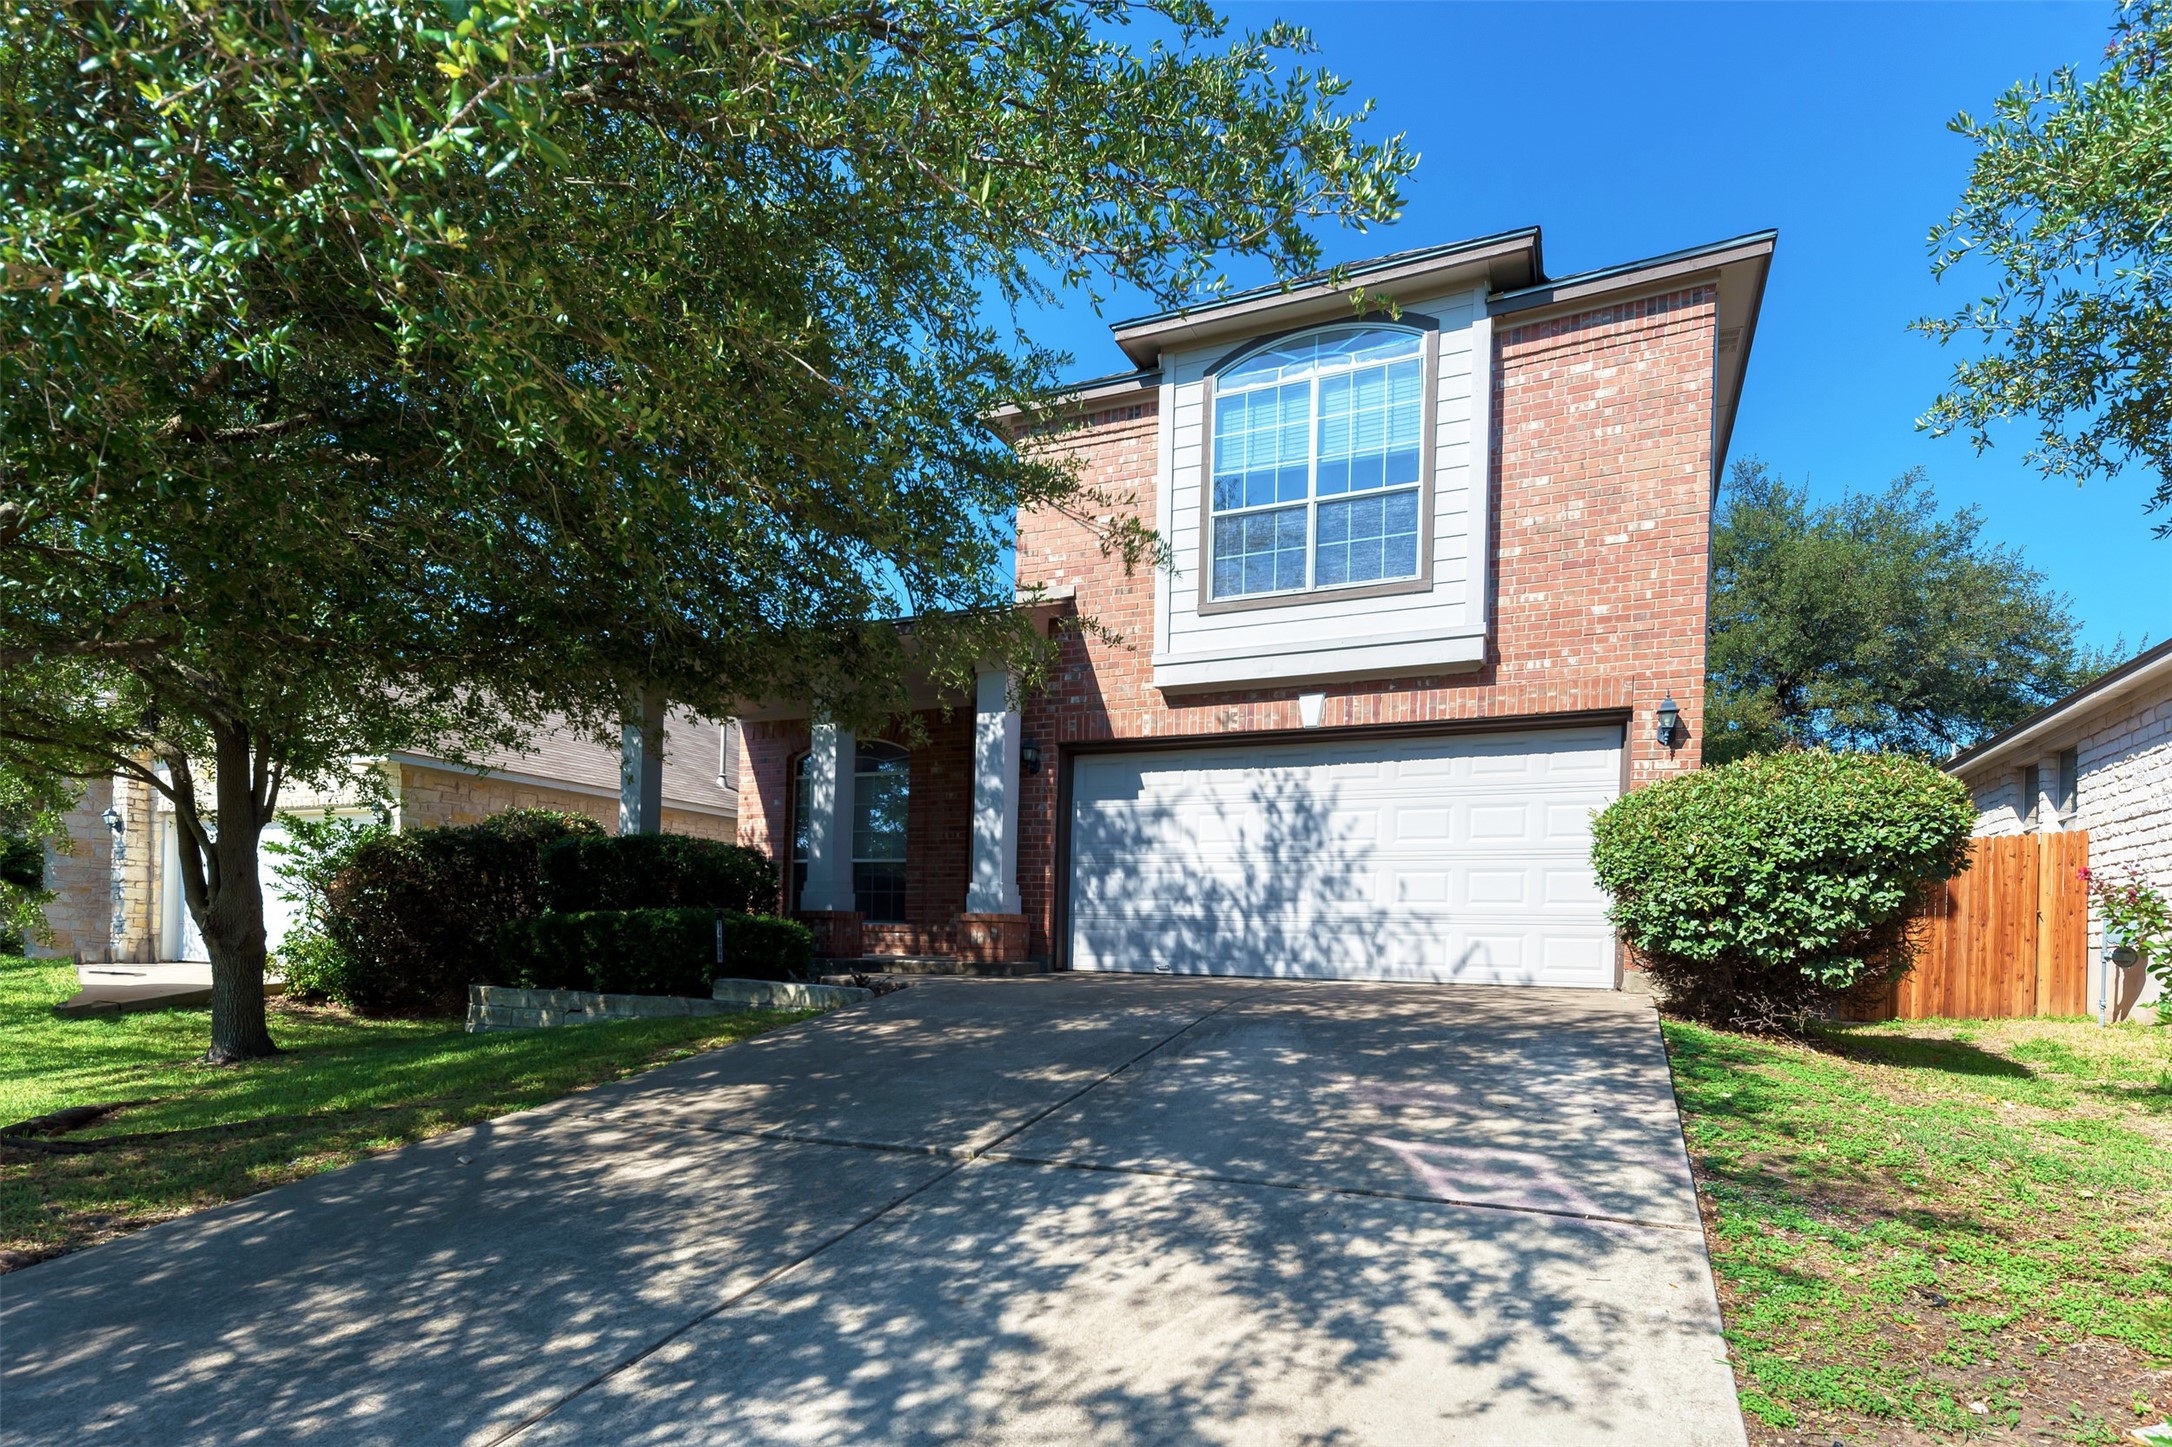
x=226, y=895
x=233, y=931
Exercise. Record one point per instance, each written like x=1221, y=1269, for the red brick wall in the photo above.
x=768, y=751
x=939, y=819
x=1601, y=488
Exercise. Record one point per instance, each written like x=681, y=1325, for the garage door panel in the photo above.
x=1452, y=858
x=1497, y=886
x=1572, y=889
x=1500, y=823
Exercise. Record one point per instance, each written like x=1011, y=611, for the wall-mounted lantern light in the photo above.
x=1029, y=755
x=1671, y=733
x=112, y=816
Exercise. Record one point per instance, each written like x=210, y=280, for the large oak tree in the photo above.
x=1877, y=621
x=379, y=375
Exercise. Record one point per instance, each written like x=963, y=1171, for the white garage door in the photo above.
x=1460, y=858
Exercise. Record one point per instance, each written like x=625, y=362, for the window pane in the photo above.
x=1260, y=442
x=878, y=889
x=1361, y=442
x=1332, y=350
x=1260, y=552
x=878, y=816
x=799, y=812
x=1370, y=419
x=1368, y=539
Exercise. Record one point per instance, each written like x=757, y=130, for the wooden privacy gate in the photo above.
x=2007, y=937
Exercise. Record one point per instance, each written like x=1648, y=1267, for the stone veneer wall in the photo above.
x=1601, y=476
x=142, y=869
x=81, y=916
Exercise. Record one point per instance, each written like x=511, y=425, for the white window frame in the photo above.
x=1427, y=334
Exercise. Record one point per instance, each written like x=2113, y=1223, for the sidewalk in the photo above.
x=121, y=989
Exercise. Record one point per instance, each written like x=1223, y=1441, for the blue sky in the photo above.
x=1630, y=130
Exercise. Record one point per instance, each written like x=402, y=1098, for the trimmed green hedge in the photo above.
x=656, y=871
x=410, y=919
x=649, y=951
x=1763, y=891
x=407, y=921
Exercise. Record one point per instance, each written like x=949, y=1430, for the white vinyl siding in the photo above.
x=1440, y=623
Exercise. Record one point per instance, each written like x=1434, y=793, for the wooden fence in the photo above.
x=2007, y=937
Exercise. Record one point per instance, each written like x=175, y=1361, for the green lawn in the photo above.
x=1930, y=1231
x=343, y=1087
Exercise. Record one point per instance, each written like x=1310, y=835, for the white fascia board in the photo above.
x=1341, y=662
x=2070, y=715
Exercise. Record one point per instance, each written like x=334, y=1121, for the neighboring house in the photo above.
x=131, y=909
x=2099, y=759
x=1434, y=574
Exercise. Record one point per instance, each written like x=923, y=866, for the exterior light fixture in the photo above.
x=1029, y=755
x=1671, y=733
x=112, y=816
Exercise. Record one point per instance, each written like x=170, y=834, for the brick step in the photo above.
x=929, y=965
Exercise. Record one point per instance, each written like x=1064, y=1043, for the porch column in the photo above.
x=997, y=733
x=641, y=766
x=830, y=758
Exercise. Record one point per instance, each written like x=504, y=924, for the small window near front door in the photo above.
x=881, y=788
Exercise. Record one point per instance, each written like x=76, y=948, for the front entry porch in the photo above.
x=901, y=853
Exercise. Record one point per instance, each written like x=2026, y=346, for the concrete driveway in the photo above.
x=1059, y=1210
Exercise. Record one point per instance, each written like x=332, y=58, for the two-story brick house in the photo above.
x=1434, y=570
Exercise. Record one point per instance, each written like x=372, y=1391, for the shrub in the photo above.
x=22, y=889
x=656, y=871
x=313, y=967
x=650, y=951
x=415, y=916
x=2136, y=914
x=1761, y=892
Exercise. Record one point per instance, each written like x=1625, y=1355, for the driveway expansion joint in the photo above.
x=964, y=1156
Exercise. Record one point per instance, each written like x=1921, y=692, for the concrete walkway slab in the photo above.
x=1547, y=1100
x=126, y=989
x=1012, y=1305
x=440, y=1293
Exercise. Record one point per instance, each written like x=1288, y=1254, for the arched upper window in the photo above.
x=1318, y=462
x=881, y=788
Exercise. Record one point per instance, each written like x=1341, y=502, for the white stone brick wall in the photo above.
x=1998, y=803
x=2123, y=796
